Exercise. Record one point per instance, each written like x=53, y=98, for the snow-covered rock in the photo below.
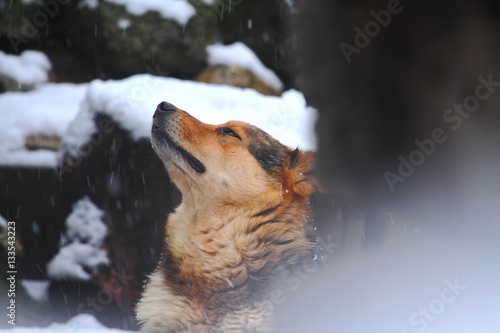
x=240, y=55
x=47, y=110
x=166, y=37
x=178, y=10
x=85, y=233
x=85, y=223
x=68, y=110
x=24, y=71
x=74, y=261
x=131, y=103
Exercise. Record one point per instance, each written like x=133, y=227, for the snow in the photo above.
x=48, y=110
x=85, y=232
x=83, y=323
x=178, y=10
x=123, y=24
x=29, y=68
x=73, y=261
x=240, y=55
x=442, y=279
x=67, y=110
x=3, y=222
x=421, y=286
x=131, y=103
x=37, y=289
x=85, y=224
x=91, y=4
x=39, y=158
x=291, y=6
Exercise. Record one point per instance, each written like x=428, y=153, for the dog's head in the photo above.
x=227, y=163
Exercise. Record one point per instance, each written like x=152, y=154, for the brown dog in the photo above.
x=244, y=215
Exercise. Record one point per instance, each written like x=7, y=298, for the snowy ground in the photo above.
x=83, y=323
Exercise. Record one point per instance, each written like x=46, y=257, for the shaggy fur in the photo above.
x=244, y=215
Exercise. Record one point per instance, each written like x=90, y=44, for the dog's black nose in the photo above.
x=166, y=107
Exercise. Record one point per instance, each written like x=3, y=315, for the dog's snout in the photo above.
x=165, y=107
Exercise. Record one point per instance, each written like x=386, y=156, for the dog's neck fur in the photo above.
x=225, y=262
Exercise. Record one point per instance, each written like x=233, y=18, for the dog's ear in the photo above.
x=298, y=168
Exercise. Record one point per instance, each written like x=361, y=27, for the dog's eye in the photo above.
x=228, y=131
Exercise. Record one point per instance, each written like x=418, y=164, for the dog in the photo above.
x=244, y=217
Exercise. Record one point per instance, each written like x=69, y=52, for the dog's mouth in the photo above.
x=193, y=162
